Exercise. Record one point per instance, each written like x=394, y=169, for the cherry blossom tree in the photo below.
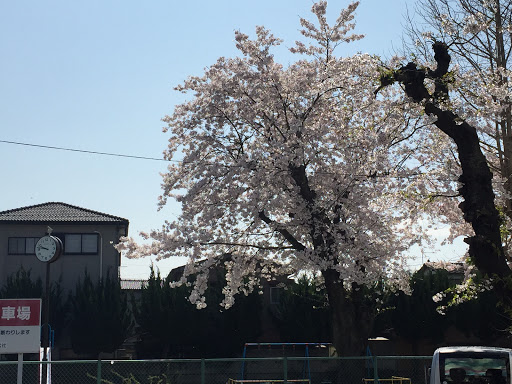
x=299, y=167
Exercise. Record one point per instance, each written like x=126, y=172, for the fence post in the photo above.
x=203, y=371
x=285, y=370
x=98, y=372
x=375, y=371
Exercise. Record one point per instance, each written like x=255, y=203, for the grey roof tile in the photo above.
x=55, y=212
x=130, y=284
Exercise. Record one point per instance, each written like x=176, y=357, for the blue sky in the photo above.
x=99, y=75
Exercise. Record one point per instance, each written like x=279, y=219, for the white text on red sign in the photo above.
x=21, y=313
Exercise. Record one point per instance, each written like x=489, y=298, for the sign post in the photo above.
x=20, y=328
x=20, y=369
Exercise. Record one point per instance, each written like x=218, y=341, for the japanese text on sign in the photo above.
x=21, y=312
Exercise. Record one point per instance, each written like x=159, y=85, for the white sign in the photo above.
x=20, y=325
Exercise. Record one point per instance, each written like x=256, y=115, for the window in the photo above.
x=80, y=243
x=481, y=368
x=74, y=244
x=90, y=243
x=22, y=245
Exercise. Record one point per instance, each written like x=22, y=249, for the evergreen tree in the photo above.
x=416, y=317
x=303, y=312
x=166, y=316
x=20, y=285
x=163, y=314
x=100, y=319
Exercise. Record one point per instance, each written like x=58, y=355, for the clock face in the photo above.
x=47, y=248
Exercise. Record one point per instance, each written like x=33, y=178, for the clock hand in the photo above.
x=44, y=248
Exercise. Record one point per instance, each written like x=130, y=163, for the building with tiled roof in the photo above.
x=88, y=238
x=57, y=213
x=456, y=271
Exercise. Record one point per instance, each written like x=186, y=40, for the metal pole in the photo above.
x=98, y=372
x=285, y=370
x=203, y=371
x=243, y=363
x=46, y=322
x=100, y=254
x=375, y=371
x=20, y=368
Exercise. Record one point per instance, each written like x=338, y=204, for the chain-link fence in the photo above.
x=318, y=370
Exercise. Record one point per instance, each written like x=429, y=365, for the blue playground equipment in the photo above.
x=306, y=370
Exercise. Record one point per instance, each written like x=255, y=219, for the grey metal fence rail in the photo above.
x=315, y=370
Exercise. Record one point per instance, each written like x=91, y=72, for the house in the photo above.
x=456, y=271
x=87, y=237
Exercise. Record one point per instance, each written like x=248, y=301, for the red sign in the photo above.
x=20, y=312
x=20, y=325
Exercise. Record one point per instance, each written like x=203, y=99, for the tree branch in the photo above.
x=485, y=247
x=283, y=231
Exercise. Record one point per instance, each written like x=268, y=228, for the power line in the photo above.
x=82, y=151
x=150, y=158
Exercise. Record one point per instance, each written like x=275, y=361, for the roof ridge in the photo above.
x=26, y=207
x=8, y=214
x=87, y=209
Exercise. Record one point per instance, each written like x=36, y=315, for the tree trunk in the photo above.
x=485, y=247
x=352, y=318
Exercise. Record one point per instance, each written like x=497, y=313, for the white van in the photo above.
x=471, y=365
